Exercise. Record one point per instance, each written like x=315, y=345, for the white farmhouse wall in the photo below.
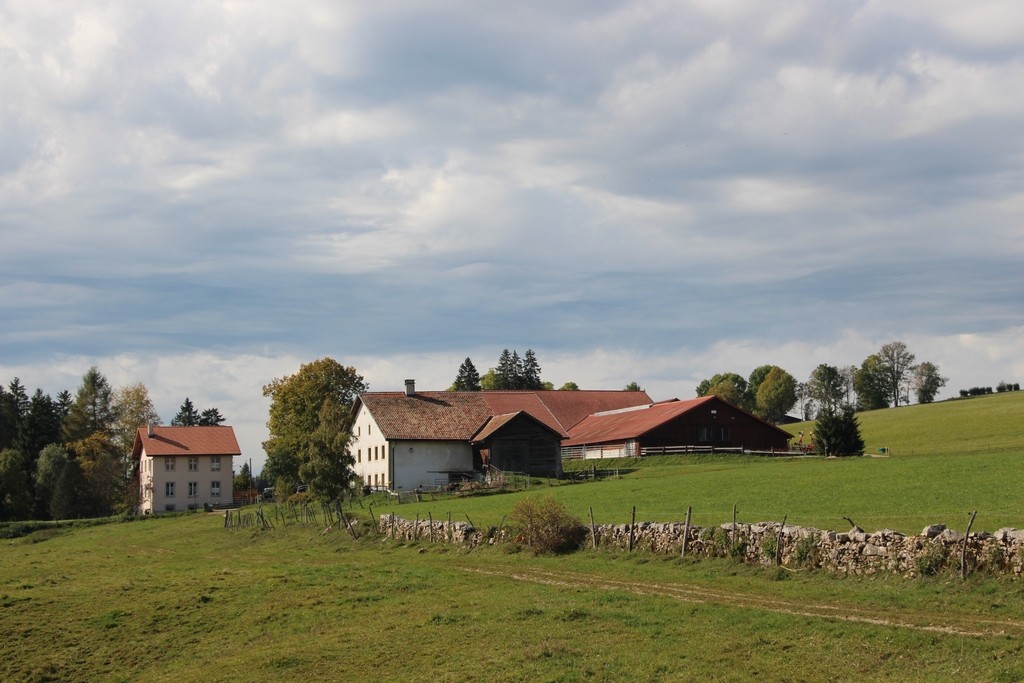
x=422, y=464
x=370, y=450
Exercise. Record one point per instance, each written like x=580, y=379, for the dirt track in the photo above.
x=953, y=624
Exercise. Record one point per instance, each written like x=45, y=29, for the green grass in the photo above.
x=983, y=424
x=901, y=493
x=182, y=598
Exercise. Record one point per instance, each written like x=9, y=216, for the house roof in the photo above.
x=459, y=415
x=561, y=410
x=497, y=422
x=630, y=423
x=621, y=425
x=426, y=415
x=217, y=440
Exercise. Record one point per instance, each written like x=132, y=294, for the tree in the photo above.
x=729, y=391
x=569, y=386
x=8, y=419
x=39, y=426
x=326, y=463
x=754, y=381
x=132, y=409
x=490, y=380
x=927, y=381
x=102, y=471
x=15, y=498
x=837, y=432
x=825, y=386
x=869, y=383
x=704, y=388
x=296, y=402
x=468, y=379
x=210, y=417
x=530, y=376
x=896, y=363
x=632, y=386
x=776, y=395
x=49, y=468
x=187, y=415
x=244, y=480
x=93, y=409
x=507, y=370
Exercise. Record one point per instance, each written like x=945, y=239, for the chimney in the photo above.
x=410, y=387
x=149, y=429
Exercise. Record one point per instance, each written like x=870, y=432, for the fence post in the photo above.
x=430, y=516
x=632, y=525
x=778, y=541
x=732, y=540
x=686, y=530
x=593, y=529
x=963, y=550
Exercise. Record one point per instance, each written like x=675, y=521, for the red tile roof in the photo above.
x=561, y=410
x=427, y=415
x=219, y=440
x=629, y=424
x=458, y=415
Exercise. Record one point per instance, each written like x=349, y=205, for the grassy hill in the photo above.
x=181, y=598
x=983, y=424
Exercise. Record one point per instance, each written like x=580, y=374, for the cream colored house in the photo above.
x=183, y=468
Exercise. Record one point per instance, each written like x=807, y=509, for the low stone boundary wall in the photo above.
x=853, y=552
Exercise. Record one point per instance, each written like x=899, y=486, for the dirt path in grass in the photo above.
x=952, y=624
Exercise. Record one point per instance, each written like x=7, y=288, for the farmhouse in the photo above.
x=182, y=468
x=408, y=440
x=701, y=423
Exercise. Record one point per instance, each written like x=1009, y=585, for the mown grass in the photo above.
x=182, y=598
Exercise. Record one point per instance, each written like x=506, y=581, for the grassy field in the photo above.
x=182, y=598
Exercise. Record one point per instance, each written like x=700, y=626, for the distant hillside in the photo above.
x=984, y=424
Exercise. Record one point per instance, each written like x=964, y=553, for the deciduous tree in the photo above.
x=927, y=381
x=896, y=363
x=825, y=386
x=326, y=463
x=869, y=383
x=133, y=409
x=776, y=394
x=296, y=402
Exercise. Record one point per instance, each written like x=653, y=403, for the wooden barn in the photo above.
x=519, y=442
x=707, y=422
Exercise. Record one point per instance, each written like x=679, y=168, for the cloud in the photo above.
x=639, y=191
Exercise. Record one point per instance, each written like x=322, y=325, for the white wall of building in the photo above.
x=424, y=464
x=210, y=477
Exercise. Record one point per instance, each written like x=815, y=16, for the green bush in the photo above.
x=931, y=561
x=806, y=552
x=544, y=525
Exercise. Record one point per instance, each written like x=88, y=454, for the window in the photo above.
x=215, y=463
x=359, y=455
x=169, y=464
x=714, y=434
x=193, y=464
x=169, y=489
x=169, y=507
x=214, y=488
x=383, y=452
x=193, y=488
x=369, y=429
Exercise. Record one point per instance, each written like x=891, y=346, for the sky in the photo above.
x=202, y=196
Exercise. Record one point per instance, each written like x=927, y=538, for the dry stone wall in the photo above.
x=852, y=552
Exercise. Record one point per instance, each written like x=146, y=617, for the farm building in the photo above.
x=182, y=468
x=408, y=440
x=707, y=422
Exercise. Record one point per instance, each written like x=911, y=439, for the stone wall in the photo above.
x=852, y=552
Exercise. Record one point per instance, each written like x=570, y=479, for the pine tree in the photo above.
x=531, y=371
x=93, y=409
x=507, y=371
x=468, y=379
x=187, y=415
x=210, y=417
x=837, y=432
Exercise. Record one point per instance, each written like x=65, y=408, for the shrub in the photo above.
x=769, y=546
x=806, y=552
x=931, y=560
x=545, y=526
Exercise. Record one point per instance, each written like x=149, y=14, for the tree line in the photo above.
x=70, y=456
x=511, y=372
